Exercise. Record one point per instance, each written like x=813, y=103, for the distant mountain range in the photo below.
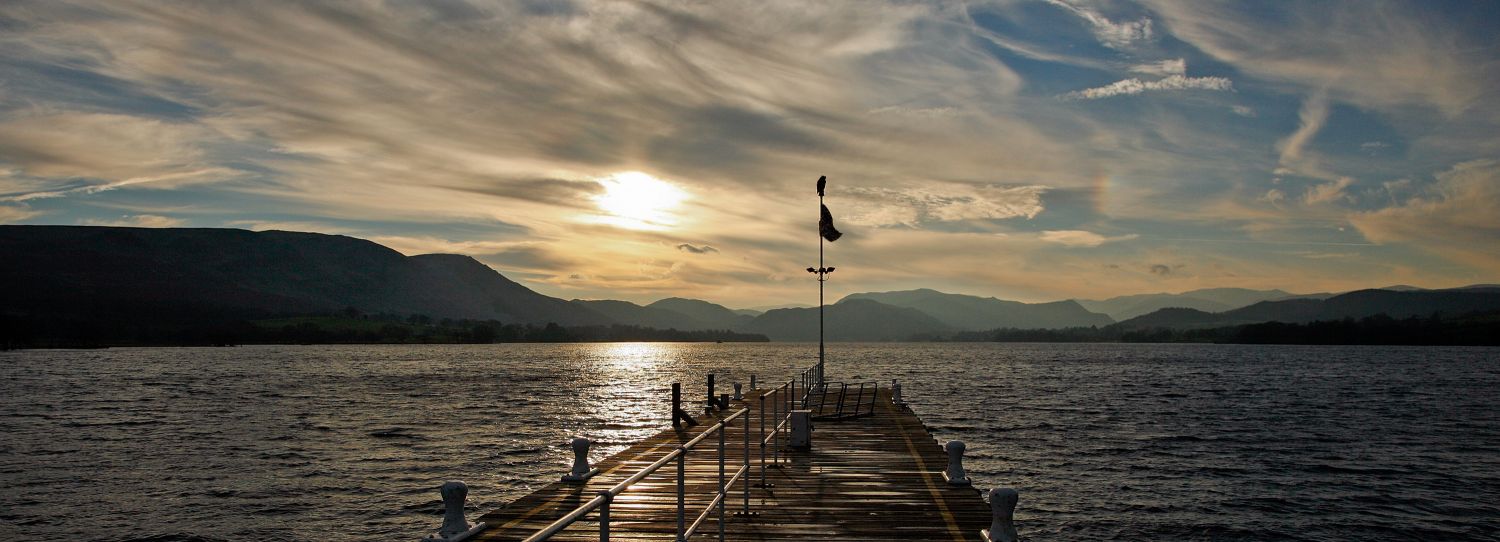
x=1357, y=304
x=104, y=276
x=1126, y=307
x=972, y=313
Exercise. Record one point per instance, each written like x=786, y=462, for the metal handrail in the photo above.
x=841, y=405
x=784, y=399
x=603, y=499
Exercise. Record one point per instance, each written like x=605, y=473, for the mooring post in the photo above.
x=679, y=416
x=737, y=395
x=455, y=527
x=896, y=393
x=955, y=473
x=581, y=470
x=712, y=399
x=752, y=382
x=676, y=405
x=1003, y=508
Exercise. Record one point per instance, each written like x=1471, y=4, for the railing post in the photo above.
x=604, y=515
x=746, y=465
x=682, y=494
x=723, y=491
x=763, y=440
x=776, y=425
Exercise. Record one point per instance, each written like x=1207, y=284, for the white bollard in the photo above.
x=801, y=438
x=896, y=393
x=1003, y=507
x=581, y=469
x=455, y=527
x=737, y=395
x=955, y=472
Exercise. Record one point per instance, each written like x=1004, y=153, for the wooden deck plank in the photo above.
x=873, y=478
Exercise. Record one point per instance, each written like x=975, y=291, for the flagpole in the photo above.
x=822, y=276
x=827, y=232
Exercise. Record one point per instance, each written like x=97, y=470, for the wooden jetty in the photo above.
x=879, y=476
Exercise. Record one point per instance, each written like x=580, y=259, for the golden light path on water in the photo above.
x=620, y=375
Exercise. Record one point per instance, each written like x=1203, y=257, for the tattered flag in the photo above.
x=822, y=182
x=825, y=225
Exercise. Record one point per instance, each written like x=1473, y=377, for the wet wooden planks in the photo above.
x=874, y=478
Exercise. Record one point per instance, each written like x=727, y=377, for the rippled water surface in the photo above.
x=1161, y=442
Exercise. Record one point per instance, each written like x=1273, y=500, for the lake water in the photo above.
x=1104, y=442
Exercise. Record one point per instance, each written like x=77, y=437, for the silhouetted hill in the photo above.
x=703, y=313
x=625, y=312
x=850, y=320
x=1352, y=305
x=1125, y=307
x=1173, y=317
x=972, y=313
x=187, y=275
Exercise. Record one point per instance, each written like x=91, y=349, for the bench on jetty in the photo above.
x=875, y=473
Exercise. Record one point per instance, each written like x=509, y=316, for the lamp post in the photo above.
x=822, y=273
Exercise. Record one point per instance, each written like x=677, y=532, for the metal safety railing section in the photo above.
x=847, y=400
x=783, y=399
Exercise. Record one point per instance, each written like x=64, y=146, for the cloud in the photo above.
x=705, y=249
x=1136, y=86
x=1381, y=55
x=1176, y=66
x=1115, y=35
x=1243, y=110
x=102, y=150
x=1160, y=269
x=915, y=207
x=1311, y=116
x=137, y=221
x=1080, y=238
x=1328, y=192
x=1456, y=217
x=16, y=213
x=929, y=112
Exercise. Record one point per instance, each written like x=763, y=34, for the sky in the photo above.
x=1031, y=150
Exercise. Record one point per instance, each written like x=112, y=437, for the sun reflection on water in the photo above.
x=636, y=356
x=627, y=384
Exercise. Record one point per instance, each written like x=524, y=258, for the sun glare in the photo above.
x=638, y=201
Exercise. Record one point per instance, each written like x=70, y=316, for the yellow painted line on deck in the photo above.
x=937, y=496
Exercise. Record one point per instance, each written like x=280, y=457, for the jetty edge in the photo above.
x=802, y=461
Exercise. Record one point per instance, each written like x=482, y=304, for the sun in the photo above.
x=638, y=201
